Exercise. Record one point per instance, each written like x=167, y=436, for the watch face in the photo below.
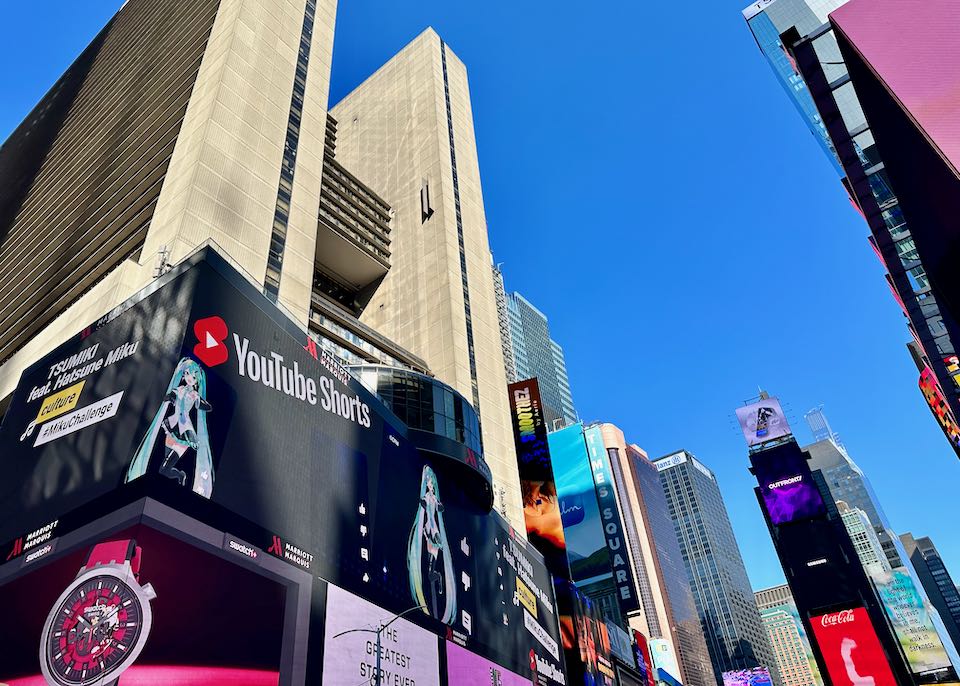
x=94, y=631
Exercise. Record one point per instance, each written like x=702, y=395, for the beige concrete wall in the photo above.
x=223, y=177
x=222, y=181
x=393, y=134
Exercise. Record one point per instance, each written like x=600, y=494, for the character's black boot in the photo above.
x=168, y=468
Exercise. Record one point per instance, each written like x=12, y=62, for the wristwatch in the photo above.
x=98, y=626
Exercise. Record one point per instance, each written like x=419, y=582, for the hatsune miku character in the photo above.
x=429, y=561
x=182, y=418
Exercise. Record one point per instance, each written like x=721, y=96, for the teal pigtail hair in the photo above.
x=415, y=545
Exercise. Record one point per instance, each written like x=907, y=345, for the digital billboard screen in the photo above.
x=541, y=506
x=468, y=669
x=851, y=649
x=758, y=676
x=786, y=484
x=762, y=421
x=199, y=393
x=126, y=603
x=408, y=653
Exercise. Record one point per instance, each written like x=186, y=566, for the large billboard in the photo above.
x=910, y=619
x=786, y=484
x=758, y=676
x=933, y=394
x=762, y=421
x=580, y=512
x=468, y=669
x=541, y=506
x=198, y=393
x=664, y=657
x=851, y=649
x=613, y=529
x=408, y=653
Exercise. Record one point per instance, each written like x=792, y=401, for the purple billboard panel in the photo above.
x=762, y=421
x=786, y=483
x=468, y=669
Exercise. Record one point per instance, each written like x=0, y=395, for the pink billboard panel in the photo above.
x=468, y=669
x=913, y=48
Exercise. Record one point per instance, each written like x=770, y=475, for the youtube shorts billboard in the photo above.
x=199, y=395
x=851, y=649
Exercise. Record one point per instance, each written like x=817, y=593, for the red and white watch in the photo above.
x=98, y=626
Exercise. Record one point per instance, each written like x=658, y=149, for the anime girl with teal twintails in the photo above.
x=432, y=582
x=182, y=418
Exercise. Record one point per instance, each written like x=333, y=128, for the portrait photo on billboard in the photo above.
x=762, y=421
x=143, y=606
x=850, y=648
x=786, y=484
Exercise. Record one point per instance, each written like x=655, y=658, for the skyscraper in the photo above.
x=912, y=223
x=667, y=608
x=181, y=122
x=936, y=581
x=408, y=132
x=736, y=638
x=536, y=354
x=788, y=638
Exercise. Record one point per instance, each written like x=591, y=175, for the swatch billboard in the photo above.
x=786, y=484
x=762, y=421
x=200, y=395
x=850, y=648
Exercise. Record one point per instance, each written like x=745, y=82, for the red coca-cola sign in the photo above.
x=851, y=649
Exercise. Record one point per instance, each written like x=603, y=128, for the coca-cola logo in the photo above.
x=835, y=618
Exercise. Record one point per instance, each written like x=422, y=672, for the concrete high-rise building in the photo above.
x=788, y=638
x=936, y=581
x=864, y=537
x=536, y=354
x=182, y=123
x=503, y=317
x=408, y=132
x=735, y=635
x=842, y=64
x=667, y=607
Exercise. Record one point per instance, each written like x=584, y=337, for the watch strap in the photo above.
x=115, y=552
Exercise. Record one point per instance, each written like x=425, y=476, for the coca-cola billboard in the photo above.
x=851, y=649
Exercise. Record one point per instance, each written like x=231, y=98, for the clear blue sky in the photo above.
x=649, y=187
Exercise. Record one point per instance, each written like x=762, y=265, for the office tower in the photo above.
x=849, y=484
x=667, y=609
x=879, y=171
x=181, y=122
x=936, y=581
x=788, y=638
x=536, y=354
x=864, y=538
x=736, y=638
x=408, y=132
x=503, y=319
x=820, y=427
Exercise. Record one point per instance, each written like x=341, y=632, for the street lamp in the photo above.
x=378, y=632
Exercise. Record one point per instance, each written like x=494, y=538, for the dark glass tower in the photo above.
x=736, y=637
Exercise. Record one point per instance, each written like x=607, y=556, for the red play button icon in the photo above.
x=210, y=348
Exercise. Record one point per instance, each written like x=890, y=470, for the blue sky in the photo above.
x=649, y=187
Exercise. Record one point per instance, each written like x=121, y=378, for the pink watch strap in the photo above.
x=115, y=552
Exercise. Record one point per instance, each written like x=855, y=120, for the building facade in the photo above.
x=536, y=354
x=201, y=121
x=667, y=609
x=408, y=132
x=936, y=581
x=788, y=638
x=801, y=43
x=736, y=638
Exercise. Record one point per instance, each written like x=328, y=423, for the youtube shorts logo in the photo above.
x=211, y=332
